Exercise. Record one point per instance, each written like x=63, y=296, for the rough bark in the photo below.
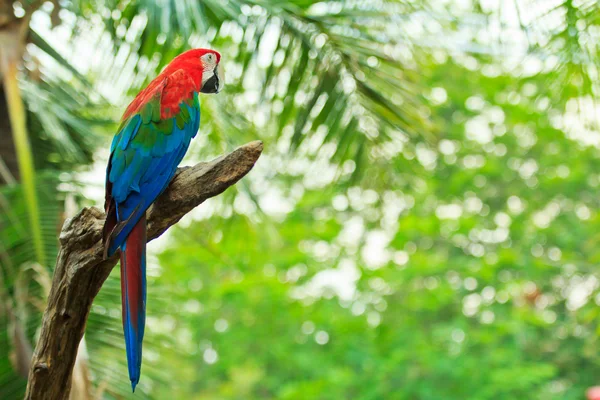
x=81, y=271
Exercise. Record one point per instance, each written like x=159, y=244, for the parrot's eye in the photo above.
x=209, y=58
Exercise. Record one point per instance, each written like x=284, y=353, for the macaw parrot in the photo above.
x=155, y=132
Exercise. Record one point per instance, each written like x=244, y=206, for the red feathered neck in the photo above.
x=179, y=89
x=191, y=62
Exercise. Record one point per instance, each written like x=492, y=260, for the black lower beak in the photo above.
x=211, y=85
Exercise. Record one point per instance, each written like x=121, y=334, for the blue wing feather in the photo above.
x=140, y=174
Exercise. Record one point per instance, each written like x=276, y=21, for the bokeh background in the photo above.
x=423, y=222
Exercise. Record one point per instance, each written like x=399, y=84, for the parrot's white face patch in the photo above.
x=212, y=74
x=206, y=75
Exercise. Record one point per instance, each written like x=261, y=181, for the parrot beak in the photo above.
x=215, y=83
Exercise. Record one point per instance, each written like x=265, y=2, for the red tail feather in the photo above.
x=133, y=294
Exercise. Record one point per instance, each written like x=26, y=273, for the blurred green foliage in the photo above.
x=420, y=226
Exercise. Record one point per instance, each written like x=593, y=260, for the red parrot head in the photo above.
x=203, y=66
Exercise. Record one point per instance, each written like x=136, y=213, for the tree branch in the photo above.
x=81, y=271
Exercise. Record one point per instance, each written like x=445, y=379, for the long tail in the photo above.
x=133, y=296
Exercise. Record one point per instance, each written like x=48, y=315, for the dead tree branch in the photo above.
x=81, y=271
